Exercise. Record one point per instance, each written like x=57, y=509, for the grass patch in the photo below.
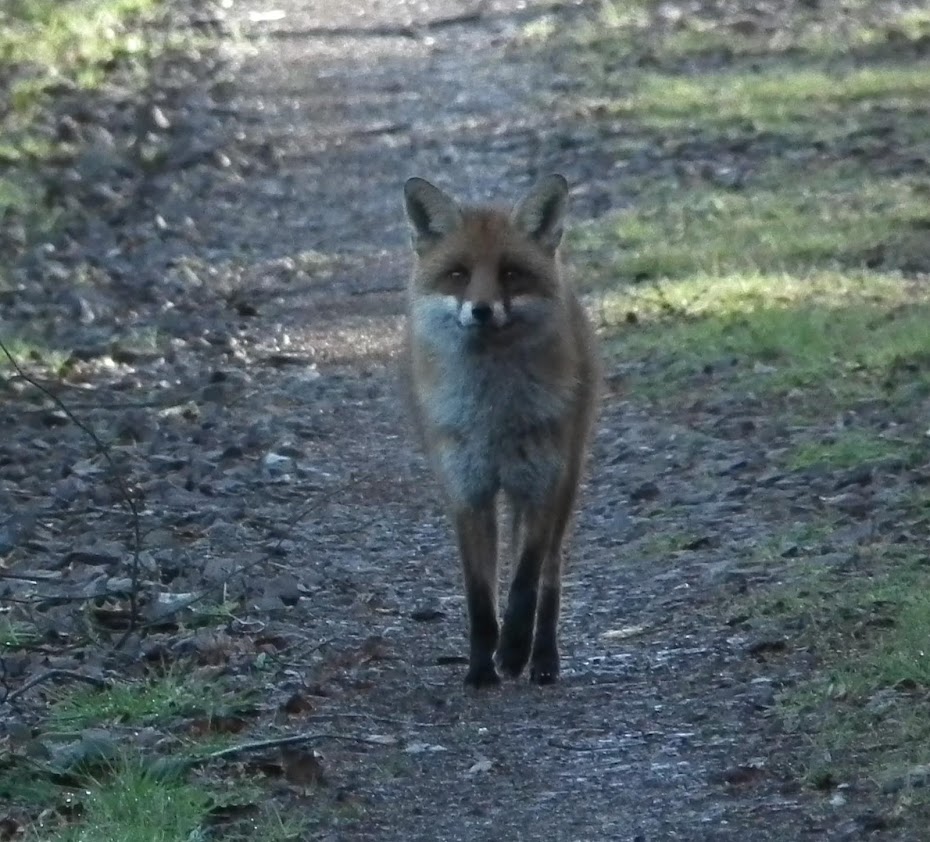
x=16, y=634
x=156, y=700
x=131, y=805
x=797, y=101
x=129, y=802
x=866, y=708
x=26, y=350
x=844, y=337
x=47, y=47
x=799, y=280
x=71, y=40
x=782, y=222
x=672, y=33
x=849, y=449
x=82, y=778
x=768, y=255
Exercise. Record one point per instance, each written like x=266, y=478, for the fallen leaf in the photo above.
x=422, y=748
x=483, y=765
x=623, y=633
x=301, y=767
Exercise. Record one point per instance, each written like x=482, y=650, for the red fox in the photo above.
x=503, y=378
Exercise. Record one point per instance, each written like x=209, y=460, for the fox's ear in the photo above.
x=541, y=213
x=431, y=212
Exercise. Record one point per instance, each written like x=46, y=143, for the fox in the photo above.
x=502, y=377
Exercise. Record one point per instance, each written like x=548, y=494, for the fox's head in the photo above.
x=485, y=271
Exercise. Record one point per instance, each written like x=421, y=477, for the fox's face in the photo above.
x=481, y=271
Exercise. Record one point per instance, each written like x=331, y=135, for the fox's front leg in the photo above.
x=476, y=529
x=545, y=665
x=534, y=528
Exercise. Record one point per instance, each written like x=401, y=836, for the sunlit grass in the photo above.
x=27, y=351
x=773, y=100
x=848, y=336
x=773, y=279
x=60, y=38
x=769, y=254
x=673, y=33
x=781, y=221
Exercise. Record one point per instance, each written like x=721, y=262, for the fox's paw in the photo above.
x=517, y=634
x=514, y=652
x=481, y=675
x=545, y=667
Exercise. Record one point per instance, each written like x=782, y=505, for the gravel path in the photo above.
x=278, y=274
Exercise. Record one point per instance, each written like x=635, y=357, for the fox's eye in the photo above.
x=457, y=276
x=511, y=275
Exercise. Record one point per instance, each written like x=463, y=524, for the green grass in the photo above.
x=16, y=634
x=800, y=280
x=625, y=28
x=783, y=221
x=796, y=101
x=126, y=802
x=851, y=448
x=866, y=706
x=155, y=700
x=47, y=46
x=840, y=338
x=27, y=350
x=104, y=787
x=72, y=39
x=130, y=805
x=768, y=254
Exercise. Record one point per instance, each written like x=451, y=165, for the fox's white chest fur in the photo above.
x=498, y=422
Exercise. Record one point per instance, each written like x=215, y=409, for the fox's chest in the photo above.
x=498, y=426
x=493, y=397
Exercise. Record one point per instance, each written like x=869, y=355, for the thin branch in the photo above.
x=261, y=745
x=406, y=723
x=48, y=675
x=118, y=479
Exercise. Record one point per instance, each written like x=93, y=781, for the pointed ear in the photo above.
x=541, y=213
x=431, y=212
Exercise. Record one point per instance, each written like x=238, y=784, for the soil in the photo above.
x=231, y=317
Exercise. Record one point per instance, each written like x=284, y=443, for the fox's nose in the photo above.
x=481, y=312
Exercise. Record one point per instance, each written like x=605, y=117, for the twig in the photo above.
x=30, y=578
x=406, y=723
x=118, y=479
x=261, y=745
x=54, y=673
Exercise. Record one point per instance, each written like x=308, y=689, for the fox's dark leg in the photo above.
x=476, y=529
x=517, y=635
x=545, y=658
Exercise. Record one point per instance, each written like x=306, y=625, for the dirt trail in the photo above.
x=656, y=733
x=658, y=730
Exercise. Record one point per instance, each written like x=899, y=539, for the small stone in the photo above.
x=646, y=491
x=277, y=466
x=427, y=615
x=860, y=475
x=766, y=644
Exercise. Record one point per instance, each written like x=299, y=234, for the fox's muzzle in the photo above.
x=483, y=314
